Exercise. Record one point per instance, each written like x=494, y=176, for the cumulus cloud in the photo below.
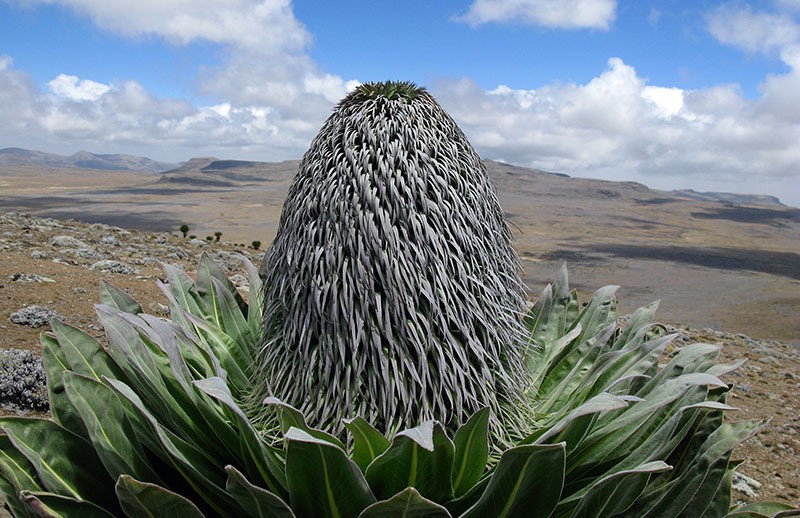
x=776, y=33
x=559, y=14
x=753, y=31
x=257, y=24
x=76, y=113
x=263, y=44
x=74, y=89
x=270, y=96
x=617, y=126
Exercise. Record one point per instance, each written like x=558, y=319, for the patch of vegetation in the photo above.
x=22, y=381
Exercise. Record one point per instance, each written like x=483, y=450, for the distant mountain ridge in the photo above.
x=215, y=172
x=13, y=156
x=736, y=199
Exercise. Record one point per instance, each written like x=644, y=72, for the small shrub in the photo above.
x=23, y=383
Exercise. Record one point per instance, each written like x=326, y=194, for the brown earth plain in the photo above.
x=725, y=268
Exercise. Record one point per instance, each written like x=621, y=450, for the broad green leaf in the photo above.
x=290, y=417
x=627, y=363
x=12, y=500
x=368, y=442
x=108, y=427
x=536, y=321
x=207, y=422
x=229, y=355
x=55, y=364
x=322, y=480
x=632, y=418
x=420, y=457
x=199, y=357
x=636, y=329
x=660, y=444
x=256, y=501
x=720, y=503
x=458, y=506
x=214, y=300
x=601, y=403
x=527, y=478
x=565, y=307
x=710, y=469
x=49, y=504
x=763, y=509
x=696, y=479
x=253, y=452
x=140, y=499
x=636, y=424
x=112, y=296
x=203, y=355
x=226, y=307
x=202, y=472
x=471, y=443
x=52, y=451
x=613, y=494
x=208, y=270
x=405, y=504
x=173, y=398
x=550, y=350
x=147, y=368
x=722, y=369
x=255, y=302
x=549, y=320
x=232, y=320
x=165, y=335
x=692, y=358
x=83, y=354
x=73, y=350
x=182, y=291
x=559, y=389
x=598, y=314
x=16, y=474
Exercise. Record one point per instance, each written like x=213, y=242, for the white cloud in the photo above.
x=255, y=24
x=616, y=126
x=668, y=101
x=5, y=62
x=74, y=89
x=19, y=106
x=752, y=31
x=127, y=118
x=560, y=14
x=265, y=67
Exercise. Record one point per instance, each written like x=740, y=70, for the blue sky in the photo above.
x=674, y=94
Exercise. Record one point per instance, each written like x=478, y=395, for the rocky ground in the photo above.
x=52, y=269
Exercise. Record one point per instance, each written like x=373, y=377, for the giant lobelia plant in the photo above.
x=159, y=420
x=392, y=282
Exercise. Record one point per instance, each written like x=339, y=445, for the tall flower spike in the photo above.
x=392, y=290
